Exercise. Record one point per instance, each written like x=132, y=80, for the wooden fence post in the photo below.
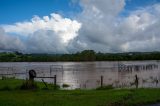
x=55, y=80
x=101, y=81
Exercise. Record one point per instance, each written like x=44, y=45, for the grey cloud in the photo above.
x=10, y=42
x=111, y=33
x=45, y=41
x=41, y=41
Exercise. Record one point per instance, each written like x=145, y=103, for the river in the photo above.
x=88, y=75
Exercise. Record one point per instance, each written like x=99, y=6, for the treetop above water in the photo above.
x=86, y=55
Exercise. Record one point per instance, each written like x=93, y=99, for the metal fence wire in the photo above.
x=120, y=75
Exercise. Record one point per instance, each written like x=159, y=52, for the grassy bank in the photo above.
x=124, y=97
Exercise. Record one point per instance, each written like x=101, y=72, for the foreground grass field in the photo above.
x=10, y=95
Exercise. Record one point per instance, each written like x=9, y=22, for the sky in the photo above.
x=69, y=26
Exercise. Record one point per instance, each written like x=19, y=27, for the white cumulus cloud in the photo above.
x=45, y=35
x=99, y=27
x=103, y=29
x=64, y=27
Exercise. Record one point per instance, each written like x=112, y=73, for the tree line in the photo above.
x=86, y=55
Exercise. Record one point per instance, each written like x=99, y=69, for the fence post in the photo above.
x=136, y=81
x=50, y=70
x=101, y=81
x=55, y=80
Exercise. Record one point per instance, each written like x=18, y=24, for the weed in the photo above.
x=28, y=84
x=65, y=85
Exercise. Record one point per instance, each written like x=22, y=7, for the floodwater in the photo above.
x=88, y=74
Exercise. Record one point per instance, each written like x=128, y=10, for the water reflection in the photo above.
x=88, y=74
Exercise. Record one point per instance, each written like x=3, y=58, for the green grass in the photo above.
x=15, y=84
x=10, y=83
x=112, y=97
x=105, y=87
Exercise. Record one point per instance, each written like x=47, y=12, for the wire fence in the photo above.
x=88, y=77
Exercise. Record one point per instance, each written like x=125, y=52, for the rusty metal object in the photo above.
x=32, y=74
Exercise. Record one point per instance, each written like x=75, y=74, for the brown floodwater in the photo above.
x=87, y=75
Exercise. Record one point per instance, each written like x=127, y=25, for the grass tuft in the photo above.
x=65, y=85
x=105, y=87
x=29, y=85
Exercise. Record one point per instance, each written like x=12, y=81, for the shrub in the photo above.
x=4, y=78
x=65, y=85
